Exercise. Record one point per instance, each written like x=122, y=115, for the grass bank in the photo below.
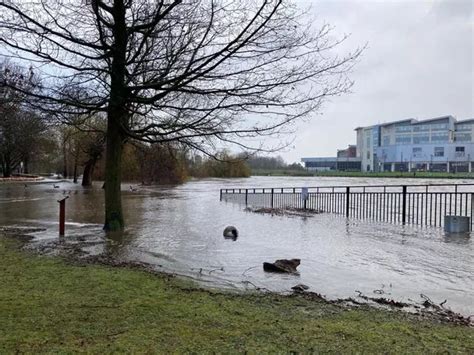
x=50, y=305
x=386, y=174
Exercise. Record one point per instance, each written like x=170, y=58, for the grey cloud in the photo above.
x=419, y=63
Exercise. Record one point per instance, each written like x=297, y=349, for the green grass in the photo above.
x=388, y=174
x=49, y=305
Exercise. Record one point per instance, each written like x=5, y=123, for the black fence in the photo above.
x=405, y=204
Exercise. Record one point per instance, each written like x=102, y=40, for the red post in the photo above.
x=62, y=215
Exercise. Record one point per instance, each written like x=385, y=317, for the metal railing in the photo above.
x=405, y=204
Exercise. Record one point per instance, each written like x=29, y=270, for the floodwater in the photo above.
x=179, y=229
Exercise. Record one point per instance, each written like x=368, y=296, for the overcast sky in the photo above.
x=419, y=63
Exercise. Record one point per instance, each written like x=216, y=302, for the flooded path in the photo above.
x=179, y=229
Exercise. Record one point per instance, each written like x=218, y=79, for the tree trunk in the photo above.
x=75, y=169
x=88, y=171
x=26, y=169
x=64, y=159
x=7, y=172
x=2, y=161
x=116, y=117
x=7, y=169
x=113, y=176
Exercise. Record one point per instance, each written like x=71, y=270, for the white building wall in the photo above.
x=365, y=148
x=425, y=153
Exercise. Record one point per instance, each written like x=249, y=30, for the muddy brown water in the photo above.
x=179, y=229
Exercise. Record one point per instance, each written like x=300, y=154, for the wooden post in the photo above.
x=220, y=197
x=271, y=203
x=62, y=215
x=246, y=196
x=404, y=204
x=348, y=191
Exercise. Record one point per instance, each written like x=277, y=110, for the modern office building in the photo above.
x=346, y=160
x=332, y=163
x=438, y=144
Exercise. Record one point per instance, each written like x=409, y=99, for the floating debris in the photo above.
x=290, y=212
x=282, y=266
x=300, y=288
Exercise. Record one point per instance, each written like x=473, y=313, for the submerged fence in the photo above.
x=405, y=204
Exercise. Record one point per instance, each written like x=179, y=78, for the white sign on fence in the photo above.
x=304, y=193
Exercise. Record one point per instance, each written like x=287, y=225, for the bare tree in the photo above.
x=20, y=127
x=194, y=72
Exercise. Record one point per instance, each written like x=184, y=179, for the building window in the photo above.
x=368, y=154
x=402, y=139
x=439, y=151
x=420, y=139
x=376, y=136
x=439, y=137
x=464, y=127
x=403, y=129
x=439, y=127
x=386, y=140
x=421, y=128
x=460, y=152
x=462, y=137
x=417, y=152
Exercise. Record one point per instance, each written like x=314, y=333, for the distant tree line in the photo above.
x=257, y=162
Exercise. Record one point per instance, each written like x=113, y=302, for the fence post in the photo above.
x=472, y=205
x=62, y=215
x=271, y=202
x=456, y=199
x=348, y=191
x=404, y=204
x=220, y=196
x=246, y=196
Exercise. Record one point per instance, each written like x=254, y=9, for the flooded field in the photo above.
x=179, y=229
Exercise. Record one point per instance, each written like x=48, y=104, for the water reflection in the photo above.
x=179, y=229
x=458, y=238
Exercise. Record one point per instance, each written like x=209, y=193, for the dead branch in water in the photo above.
x=288, y=211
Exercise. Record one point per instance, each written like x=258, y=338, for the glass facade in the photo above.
x=417, y=152
x=438, y=167
x=439, y=126
x=403, y=139
x=462, y=137
x=403, y=129
x=459, y=167
x=439, y=151
x=440, y=137
x=421, y=128
x=464, y=127
x=376, y=136
x=460, y=152
x=334, y=165
x=420, y=139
